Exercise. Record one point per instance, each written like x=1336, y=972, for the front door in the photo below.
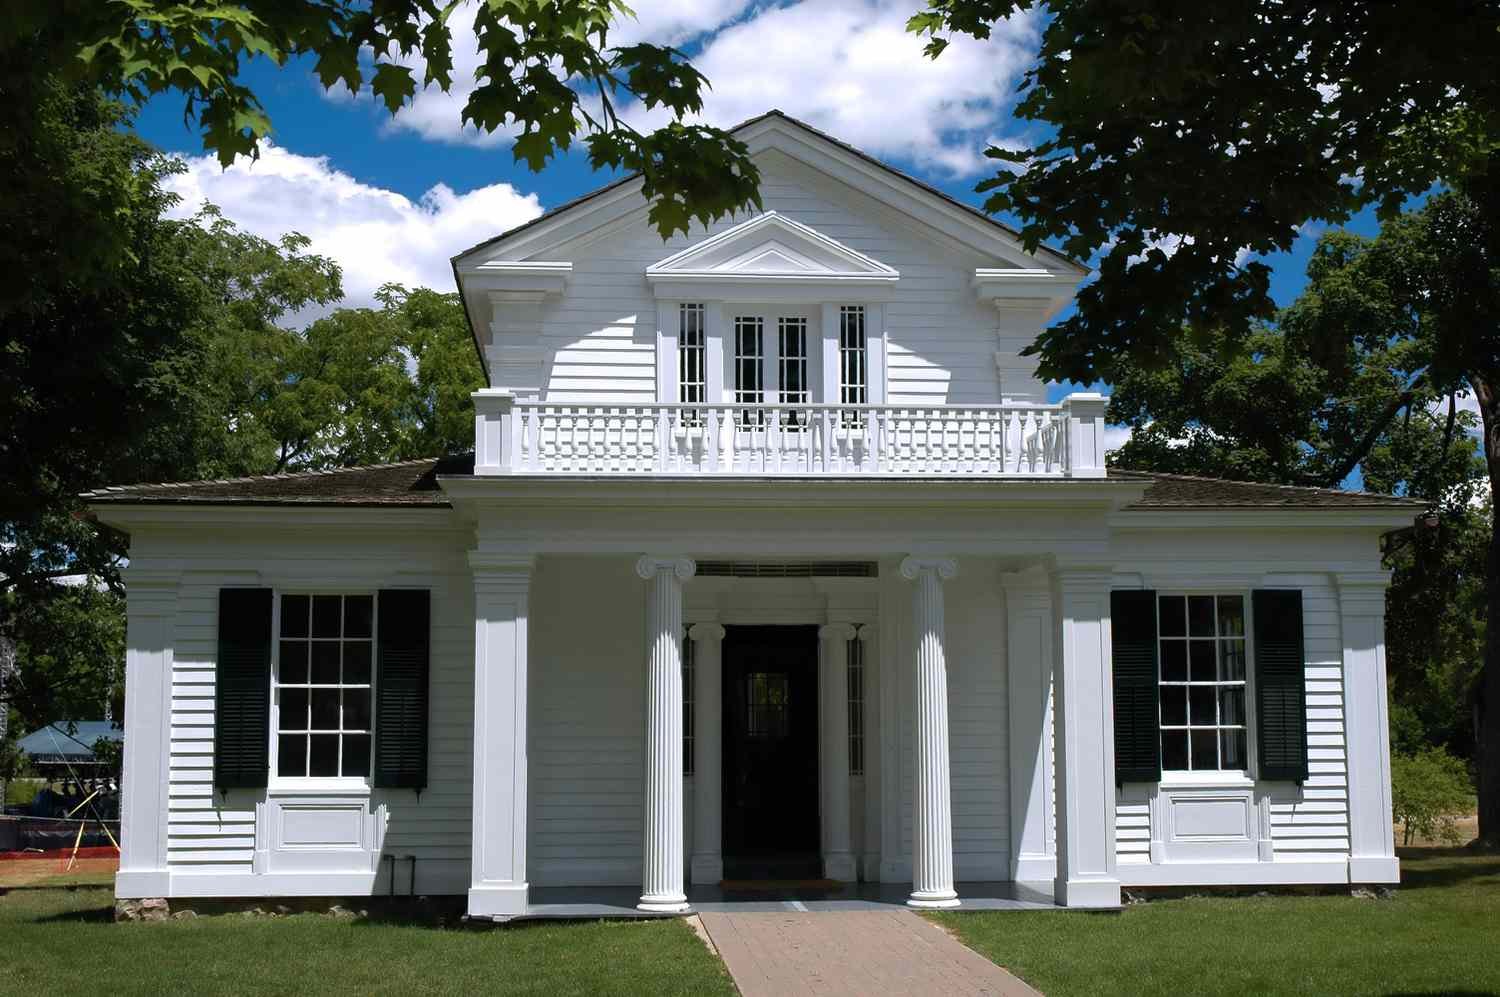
x=771, y=753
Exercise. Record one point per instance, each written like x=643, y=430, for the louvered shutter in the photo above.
x=1137, y=717
x=242, y=690
x=402, y=656
x=1280, y=684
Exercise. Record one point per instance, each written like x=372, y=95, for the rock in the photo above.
x=146, y=909
x=184, y=915
x=341, y=913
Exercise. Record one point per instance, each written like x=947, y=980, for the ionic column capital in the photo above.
x=650, y=566
x=944, y=568
x=867, y=632
x=706, y=631
x=836, y=631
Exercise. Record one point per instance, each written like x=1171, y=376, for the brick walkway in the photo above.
x=851, y=952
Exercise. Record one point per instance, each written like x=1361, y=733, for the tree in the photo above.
x=1428, y=790
x=548, y=74
x=1184, y=140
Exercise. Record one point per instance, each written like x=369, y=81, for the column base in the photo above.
x=1034, y=869
x=136, y=884
x=498, y=900
x=932, y=899
x=707, y=870
x=1374, y=869
x=839, y=867
x=664, y=905
x=1087, y=893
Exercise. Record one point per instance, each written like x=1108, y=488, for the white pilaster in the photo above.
x=707, y=865
x=502, y=585
x=869, y=639
x=150, y=618
x=833, y=699
x=1372, y=847
x=662, y=863
x=1084, y=736
x=932, y=807
x=1028, y=631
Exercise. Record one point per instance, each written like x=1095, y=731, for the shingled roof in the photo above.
x=413, y=483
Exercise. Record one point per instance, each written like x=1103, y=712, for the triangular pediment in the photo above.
x=768, y=246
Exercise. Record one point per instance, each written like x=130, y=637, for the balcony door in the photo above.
x=773, y=355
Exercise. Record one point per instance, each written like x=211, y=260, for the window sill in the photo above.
x=319, y=787
x=1206, y=780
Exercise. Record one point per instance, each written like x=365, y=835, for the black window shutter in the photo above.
x=403, y=654
x=1280, y=684
x=242, y=690
x=1137, y=718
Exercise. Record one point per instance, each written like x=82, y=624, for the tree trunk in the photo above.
x=1487, y=391
x=7, y=666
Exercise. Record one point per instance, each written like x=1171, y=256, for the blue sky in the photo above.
x=394, y=198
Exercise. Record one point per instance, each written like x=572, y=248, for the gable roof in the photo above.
x=414, y=484
x=775, y=113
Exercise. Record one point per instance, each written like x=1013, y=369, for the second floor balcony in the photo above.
x=530, y=437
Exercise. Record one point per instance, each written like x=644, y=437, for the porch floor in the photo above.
x=563, y=902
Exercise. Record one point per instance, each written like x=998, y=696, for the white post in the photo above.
x=708, y=745
x=1028, y=630
x=1083, y=730
x=1083, y=424
x=661, y=859
x=838, y=856
x=870, y=658
x=495, y=432
x=1367, y=742
x=932, y=807
x=502, y=584
x=151, y=613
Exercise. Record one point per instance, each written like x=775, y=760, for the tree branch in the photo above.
x=1362, y=448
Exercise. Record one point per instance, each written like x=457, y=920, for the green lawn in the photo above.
x=64, y=942
x=1440, y=933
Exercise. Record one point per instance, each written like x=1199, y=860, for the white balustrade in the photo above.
x=558, y=438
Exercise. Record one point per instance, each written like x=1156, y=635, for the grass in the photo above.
x=59, y=941
x=1440, y=933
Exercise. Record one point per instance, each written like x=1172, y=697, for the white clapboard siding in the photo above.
x=599, y=337
x=1133, y=830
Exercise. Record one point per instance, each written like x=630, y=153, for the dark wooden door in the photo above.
x=771, y=752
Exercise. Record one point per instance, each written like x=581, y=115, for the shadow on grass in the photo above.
x=1437, y=867
x=88, y=915
x=1442, y=993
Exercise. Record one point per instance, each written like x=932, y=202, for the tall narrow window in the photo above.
x=1203, y=721
x=692, y=366
x=854, y=368
x=856, y=707
x=323, y=685
x=792, y=360
x=688, y=664
x=749, y=370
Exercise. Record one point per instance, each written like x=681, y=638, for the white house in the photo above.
x=773, y=560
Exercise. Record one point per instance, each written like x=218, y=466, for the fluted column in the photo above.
x=708, y=752
x=838, y=857
x=662, y=860
x=932, y=806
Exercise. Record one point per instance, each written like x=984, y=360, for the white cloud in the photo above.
x=849, y=67
x=376, y=235
x=1116, y=437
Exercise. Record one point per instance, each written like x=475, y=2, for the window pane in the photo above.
x=1174, y=705
x=1232, y=705
x=1232, y=660
x=356, y=709
x=1231, y=616
x=1232, y=744
x=356, y=662
x=323, y=755
x=359, y=615
x=1174, y=661
x=1205, y=662
x=291, y=755
x=325, y=709
x=293, y=662
x=325, y=662
x=294, y=709
x=1174, y=749
x=1205, y=749
x=1201, y=615
x=294, y=616
x=1171, y=610
x=1201, y=705
x=325, y=615
x=356, y=754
